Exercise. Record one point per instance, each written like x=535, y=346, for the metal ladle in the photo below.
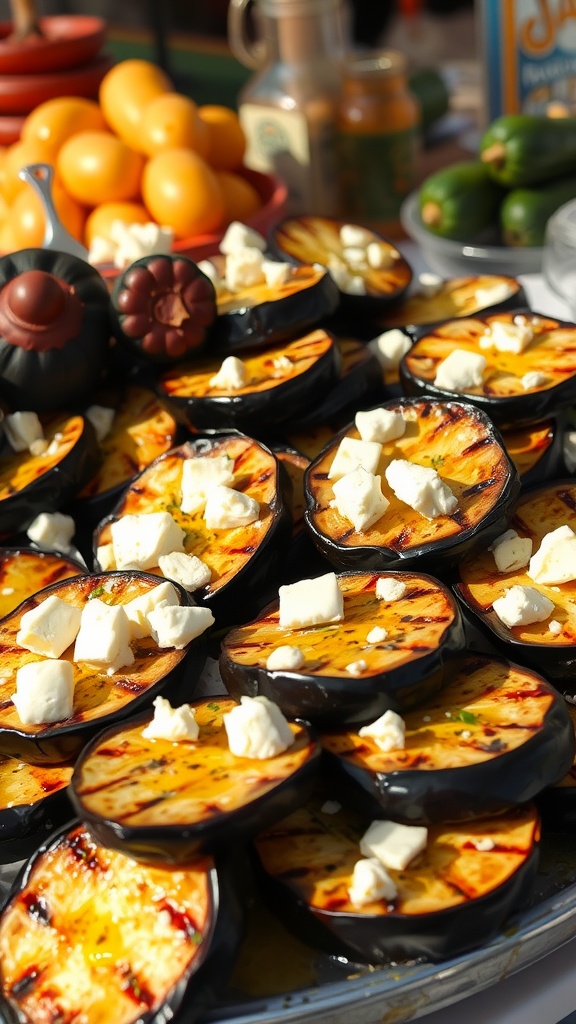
x=40, y=177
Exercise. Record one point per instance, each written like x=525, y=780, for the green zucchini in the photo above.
x=525, y=211
x=460, y=201
x=525, y=149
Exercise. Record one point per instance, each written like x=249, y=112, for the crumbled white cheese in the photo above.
x=522, y=605
x=352, y=453
x=176, y=625
x=138, y=609
x=44, y=692
x=376, y=635
x=244, y=269
x=52, y=530
x=105, y=556
x=460, y=370
x=508, y=336
x=393, y=844
x=388, y=731
x=355, y=256
x=187, y=570
x=555, y=560
x=275, y=273
x=39, y=447
x=257, y=728
x=101, y=418
x=227, y=508
x=358, y=497
x=370, y=882
x=232, y=375
x=103, y=639
x=310, y=602
x=511, y=552
x=240, y=236
x=484, y=844
x=554, y=626
x=533, y=379
x=285, y=658
x=210, y=271
x=175, y=724
x=50, y=627
x=129, y=242
x=357, y=668
x=199, y=475
x=22, y=429
x=493, y=294
x=139, y=540
x=390, y=589
x=355, y=235
x=390, y=347
x=380, y=425
x=380, y=256
x=338, y=270
x=421, y=487
x=355, y=285
x=429, y=285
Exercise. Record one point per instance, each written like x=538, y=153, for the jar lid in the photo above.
x=375, y=62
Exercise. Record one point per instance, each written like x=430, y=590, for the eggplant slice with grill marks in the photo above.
x=548, y=645
x=346, y=677
x=170, y=802
x=25, y=571
x=33, y=800
x=466, y=450
x=451, y=298
x=243, y=560
x=506, y=393
x=535, y=450
x=451, y=898
x=99, y=698
x=495, y=736
x=88, y=933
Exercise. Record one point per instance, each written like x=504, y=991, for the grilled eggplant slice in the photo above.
x=99, y=698
x=454, y=297
x=423, y=630
x=259, y=315
x=33, y=800
x=494, y=736
x=557, y=803
x=319, y=240
x=538, y=511
x=452, y=897
x=30, y=484
x=535, y=450
x=90, y=933
x=244, y=560
x=461, y=443
x=282, y=382
x=25, y=571
x=505, y=393
x=162, y=801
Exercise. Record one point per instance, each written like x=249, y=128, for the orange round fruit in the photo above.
x=241, y=199
x=226, y=139
x=101, y=218
x=26, y=219
x=182, y=192
x=54, y=121
x=98, y=167
x=17, y=155
x=171, y=121
x=126, y=90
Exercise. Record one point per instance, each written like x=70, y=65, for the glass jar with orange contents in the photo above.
x=378, y=139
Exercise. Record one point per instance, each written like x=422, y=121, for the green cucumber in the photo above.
x=460, y=201
x=525, y=211
x=526, y=149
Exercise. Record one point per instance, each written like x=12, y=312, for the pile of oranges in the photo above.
x=143, y=152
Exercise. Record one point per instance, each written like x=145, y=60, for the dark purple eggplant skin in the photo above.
x=178, y=844
x=357, y=388
x=50, y=491
x=249, y=327
x=57, y=743
x=550, y=466
x=23, y=825
x=199, y=988
x=458, y=794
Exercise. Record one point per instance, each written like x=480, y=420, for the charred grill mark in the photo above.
x=83, y=850
x=452, y=414
x=248, y=549
x=181, y=920
x=497, y=746
x=50, y=786
x=25, y=983
x=344, y=536
x=418, y=593
x=36, y=907
x=130, y=685
x=141, y=805
x=476, y=446
x=569, y=499
x=118, y=780
x=482, y=485
x=134, y=988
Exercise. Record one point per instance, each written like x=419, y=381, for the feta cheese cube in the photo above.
x=355, y=235
x=355, y=285
x=226, y=508
x=484, y=844
x=357, y=668
x=355, y=256
x=199, y=475
x=244, y=269
x=105, y=556
x=257, y=728
x=209, y=270
x=310, y=602
x=380, y=257
x=138, y=609
x=508, y=336
x=429, y=285
x=176, y=625
x=139, y=540
x=240, y=236
x=554, y=626
x=390, y=347
x=393, y=844
x=339, y=271
x=421, y=487
x=187, y=570
x=377, y=635
x=352, y=453
x=555, y=560
x=275, y=273
x=232, y=375
x=460, y=371
x=380, y=425
x=101, y=419
x=175, y=724
x=50, y=627
x=135, y=241
x=44, y=692
x=52, y=530
x=510, y=551
x=104, y=636
x=533, y=379
x=522, y=605
x=358, y=497
x=390, y=589
x=388, y=731
x=285, y=658
x=370, y=882
x=22, y=429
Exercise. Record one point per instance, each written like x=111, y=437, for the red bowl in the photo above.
x=68, y=41
x=10, y=128
x=19, y=94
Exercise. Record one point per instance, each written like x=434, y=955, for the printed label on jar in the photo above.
x=377, y=173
